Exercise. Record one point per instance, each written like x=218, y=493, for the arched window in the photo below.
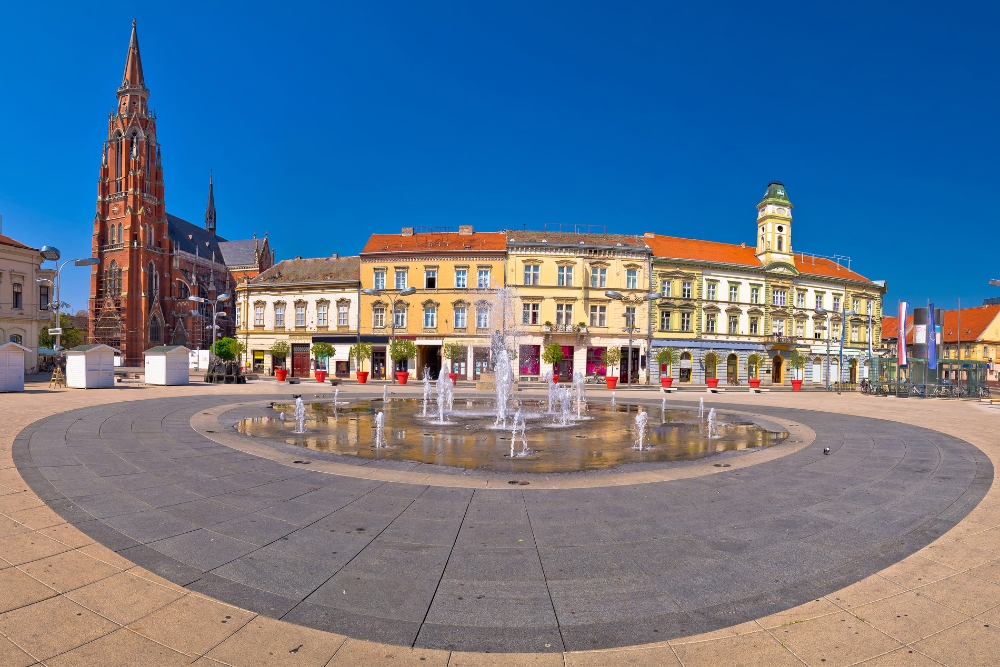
x=121, y=238
x=113, y=280
x=183, y=291
x=150, y=279
x=155, y=330
x=113, y=239
x=781, y=243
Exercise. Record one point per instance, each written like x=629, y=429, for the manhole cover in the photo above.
x=305, y=463
x=722, y=465
x=518, y=481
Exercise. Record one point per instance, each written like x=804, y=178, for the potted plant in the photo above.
x=547, y=325
x=361, y=351
x=553, y=354
x=451, y=352
x=402, y=350
x=279, y=351
x=797, y=361
x=666, y=358
x=582, y=327
x=322, y=350
x=753, y=369
x=711, y=361
x=612, y=357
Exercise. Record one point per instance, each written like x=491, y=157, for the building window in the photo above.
x=531, y=274
x=734, y=324
x=279, y=317
x=631, y=279
x=665, y=287
x=565, y=276
x=856, y=306
x=630, y=317
x=598, y=277
x=43, y=298
x=754, y=326
x=461, y=278
x=854, y=336
x=819, y=301
x=710, y=289
x=430, y=279
x=781, y=243
x=836, y=304
x=379, y=282
x=598, y=316
x=430, y=317
x=817, y=333
x=399, y=318
x=800, y=329
x=16, y=338
x=734, y=292
x=754, y=295
x=460, y=317
x=564, y=314
x=18, y=297
x=710, y=322
x=779, y=297
x=778, y=328
x=400, y=279
x=800, y=300
x=685, y=321
x=342, y=313
x=664, y=320
x=483, y=279
x=300, y=316
x=685, y=290
x=482, y=317
x=321, y=311
x=378, y=317
x=239, y=311
x=258, y=315
x=529, y=313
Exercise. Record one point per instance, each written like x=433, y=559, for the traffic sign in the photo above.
x=53, y=332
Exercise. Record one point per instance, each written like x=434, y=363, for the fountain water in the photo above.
x=579, y=384
x=663, y=410
x=380, y=440
x=445, y=395
x=385, y=393
x=612, y=398
x=639, y=429
x=713, y=425
x=300, y=416
x=504, y=382
x=281, y=416
x=701, y=409
x=565, y=403
x=552, y=387
x=427, y=388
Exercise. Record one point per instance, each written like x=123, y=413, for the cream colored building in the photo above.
x=25, y=306
x=301, y=302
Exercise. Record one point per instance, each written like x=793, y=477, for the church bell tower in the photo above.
x=774, y=228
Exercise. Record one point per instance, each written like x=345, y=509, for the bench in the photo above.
x=668, y=390
x=758, y=390
x=716, y=390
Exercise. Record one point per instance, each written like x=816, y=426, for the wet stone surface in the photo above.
x=513, y=569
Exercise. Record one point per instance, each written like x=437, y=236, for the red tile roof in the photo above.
x=575, y=238
x=435, y=242
x=974, y=323
x=890, y=327
x=819, y=266
x=6, y=240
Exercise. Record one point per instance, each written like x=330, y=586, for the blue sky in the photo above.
x=326, y=122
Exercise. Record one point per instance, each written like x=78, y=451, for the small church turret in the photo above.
x=774, y=227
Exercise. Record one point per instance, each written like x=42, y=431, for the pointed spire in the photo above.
x=133, y=64
x=210, y=209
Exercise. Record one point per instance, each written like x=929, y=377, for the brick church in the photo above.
x=151, y=262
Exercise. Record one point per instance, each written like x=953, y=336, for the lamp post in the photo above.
x=393, y=295
x=843, y=332
x=52, y=253
x=630, y=300
x=222, y=298
x=826, y=328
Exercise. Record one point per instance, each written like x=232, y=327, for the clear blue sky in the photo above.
x=327, y=122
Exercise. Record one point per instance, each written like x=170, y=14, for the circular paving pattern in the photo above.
x=517, y=569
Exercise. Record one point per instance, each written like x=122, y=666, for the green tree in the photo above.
x=361, y=351
x=552, y=354
x=71, y=335
x=667, y=356
x=322, y=350
x=401, y=349
x=612, y=357
x=753, y=365
x=228, y=349
x=280, y=351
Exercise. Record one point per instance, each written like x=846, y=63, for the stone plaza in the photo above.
x=138, y=527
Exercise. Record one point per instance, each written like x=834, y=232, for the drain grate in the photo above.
x=722, y=465
x=305, y=463
x=518, y=481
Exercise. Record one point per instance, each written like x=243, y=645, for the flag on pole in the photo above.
x=902, y=334
x=931, y=339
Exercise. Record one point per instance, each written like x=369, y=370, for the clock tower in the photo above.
x=774, y=228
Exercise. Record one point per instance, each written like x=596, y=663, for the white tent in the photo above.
x=12, y=367
x=90, y=367
x=167, y=364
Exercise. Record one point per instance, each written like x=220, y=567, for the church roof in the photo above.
x=240, y=253
x=312, y=270
x=133, y=63
x=188, y=237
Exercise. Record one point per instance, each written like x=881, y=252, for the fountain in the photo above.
x=565, y=396
x=552, y=387
x=701, y=409
x=663, y=410
x=380, y=440
x=612, y=398
x=385, y=393
x=713, y=425
x=504, y=383
x=445, y=395
x=427, y=388
x=639, y=429
x=300, y=415
x=579, y=384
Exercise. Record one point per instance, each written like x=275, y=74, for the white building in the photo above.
x=301, y=302
x=167, y=365
x=25, y=306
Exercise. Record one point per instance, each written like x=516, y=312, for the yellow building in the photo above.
x=441, y=284
x=563, y=279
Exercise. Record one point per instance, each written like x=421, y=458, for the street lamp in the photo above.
x=222, y=298
x=51, y=253
x=843, y=332
x=630, y=301
x=826, y=327
x=393, y=295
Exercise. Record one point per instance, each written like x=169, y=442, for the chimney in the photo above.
x=465, y=230
x=649, y=235
x=335, y=256
x=407, y=231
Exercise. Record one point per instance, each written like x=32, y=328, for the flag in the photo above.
x=902, y=334
x=931, y=339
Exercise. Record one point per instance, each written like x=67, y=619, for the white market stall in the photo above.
x=12, y=367
x=167, y=365
x=90, y=367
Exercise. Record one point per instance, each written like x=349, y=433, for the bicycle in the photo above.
x=984, y=392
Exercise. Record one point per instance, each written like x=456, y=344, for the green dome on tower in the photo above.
x=776, y=194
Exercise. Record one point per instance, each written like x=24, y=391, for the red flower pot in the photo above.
x=362, y=377
x=712, y=382
x=796, y=385
x=611, y=381
x=754, y=382
x=281, y=374
x=321, y=376
x=666, y=382
x=454, y=378
x=402, y=377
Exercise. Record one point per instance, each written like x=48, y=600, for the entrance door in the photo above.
x=777, y=370
x=300, y=361
x=630, y=359
x=565, y=367
x=732, y=368
x=854, y=371
x=430, y=356
x=481, y=361
x=378, y=363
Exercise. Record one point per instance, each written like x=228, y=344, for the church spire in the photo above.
x=133, y=64
x=210, y=209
